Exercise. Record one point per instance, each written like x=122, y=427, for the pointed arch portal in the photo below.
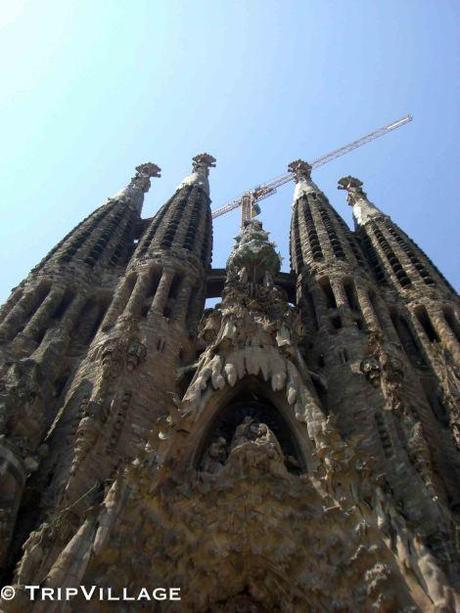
x=250, y=402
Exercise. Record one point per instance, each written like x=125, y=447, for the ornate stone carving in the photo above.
x=203, y=160
x=135, y=353
x=144, y=172
x=118, y=353
x=382, y=366
x=300, y=169
x=354, y=188
x=370, y=367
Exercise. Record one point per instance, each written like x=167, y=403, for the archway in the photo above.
x=251, y=405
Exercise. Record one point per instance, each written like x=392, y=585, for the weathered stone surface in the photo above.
x=260, y=456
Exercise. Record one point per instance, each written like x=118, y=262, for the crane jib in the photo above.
x=267, y=189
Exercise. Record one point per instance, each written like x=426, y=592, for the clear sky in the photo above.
x=91, y=88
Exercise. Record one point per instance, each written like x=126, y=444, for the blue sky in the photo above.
x=91, y=88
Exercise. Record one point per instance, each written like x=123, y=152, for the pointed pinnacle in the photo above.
x=204, y=160
x=354, y=188
x=144, y=172
x=300, y=170
x=149, y=170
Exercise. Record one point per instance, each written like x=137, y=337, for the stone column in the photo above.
x=10, y=303
x=72, y=314
x=162, y=293
x=138, y=295
x=119, y=302
x=320, y=305
x=367, y=309
x=343, y=308
x=43, y=314
x=19, y=313
x=13, y=480
x=447, y=337
x=183, y=299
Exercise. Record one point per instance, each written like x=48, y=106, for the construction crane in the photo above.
x=248, y=201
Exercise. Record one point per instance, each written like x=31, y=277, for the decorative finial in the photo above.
x=203, y=161
x=144, y=172
x=199, y=177
x=300, y=170
x=354, y=188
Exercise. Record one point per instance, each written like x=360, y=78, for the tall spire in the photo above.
x=183, y=224
x=106, y=235
x=395, y=256
x=363, y=209
x=318, y=233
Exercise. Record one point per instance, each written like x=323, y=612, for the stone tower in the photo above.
x=259, y=456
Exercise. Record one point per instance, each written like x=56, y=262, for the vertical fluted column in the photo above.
x=121, y=297
x=161, y=295
x=342, y=302
x=367, y=309
x=321, y=308
x=138, y=295
x=444, y=332
x=44, y=313
x=18, y=315
x=72, y=314
x=10, y=303
x=183, y=299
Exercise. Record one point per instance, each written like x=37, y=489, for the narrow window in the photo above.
x=407, y=338
x=328, y=292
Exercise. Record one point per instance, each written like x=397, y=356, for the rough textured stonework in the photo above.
x=260, y=456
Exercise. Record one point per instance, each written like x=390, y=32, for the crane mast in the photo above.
x=248, y=200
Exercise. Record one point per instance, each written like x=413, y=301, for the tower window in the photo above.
x=407, y=338
x=328, y=292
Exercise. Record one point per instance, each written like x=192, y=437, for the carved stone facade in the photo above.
x=261, y=456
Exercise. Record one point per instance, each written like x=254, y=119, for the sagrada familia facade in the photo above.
x=259, y=456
